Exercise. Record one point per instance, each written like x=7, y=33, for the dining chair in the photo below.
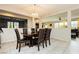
x=24, y=32
x=20, y=41
x=47, y=36
x=33, y=30
x=40, y=38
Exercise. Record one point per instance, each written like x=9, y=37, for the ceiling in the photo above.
x=43, y=10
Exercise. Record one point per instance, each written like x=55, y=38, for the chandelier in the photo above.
x=35, y=13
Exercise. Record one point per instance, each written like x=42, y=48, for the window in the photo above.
x=74, y=24
x=56, y=25
x=8, y=25
x=16, y=25
x=65, y=24
x=13, y=24
x=60, y=25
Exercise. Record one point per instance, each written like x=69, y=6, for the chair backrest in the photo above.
x=33, y=30
x=41, y=35
x=48, y=32
x=17, y=34
x=24, y=31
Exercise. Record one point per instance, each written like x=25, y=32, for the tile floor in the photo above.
x=73, y=47
x=57, y=47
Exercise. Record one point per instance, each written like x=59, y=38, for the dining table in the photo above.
x=30, y=37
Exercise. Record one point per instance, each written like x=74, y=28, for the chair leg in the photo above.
x=38, y=47
x=43, y=44
x=25, y=43
x=49, y=42
x=29, y=44
x=32, y=43
x=19, y=47
x=46, y=43
x=0, y=46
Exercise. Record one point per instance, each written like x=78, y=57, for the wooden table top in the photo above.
x=30, y=34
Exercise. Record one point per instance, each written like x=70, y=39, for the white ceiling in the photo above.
x=42, y=9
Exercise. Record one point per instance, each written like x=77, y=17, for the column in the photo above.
x=69, y=23
x=69, y=19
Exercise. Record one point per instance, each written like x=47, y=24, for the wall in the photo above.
x=63, y=34
x=50, y=18
x=9, y=35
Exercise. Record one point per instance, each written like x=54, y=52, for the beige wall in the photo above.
x=29, y=23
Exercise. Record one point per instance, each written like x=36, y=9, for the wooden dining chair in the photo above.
x=40, y=38
x=19, y=41
x=33, y=30
x=24, y=32
x=47, y=36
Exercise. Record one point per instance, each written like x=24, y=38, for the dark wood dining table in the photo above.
x=30, y=37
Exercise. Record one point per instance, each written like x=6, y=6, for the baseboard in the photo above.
x=59, y=40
